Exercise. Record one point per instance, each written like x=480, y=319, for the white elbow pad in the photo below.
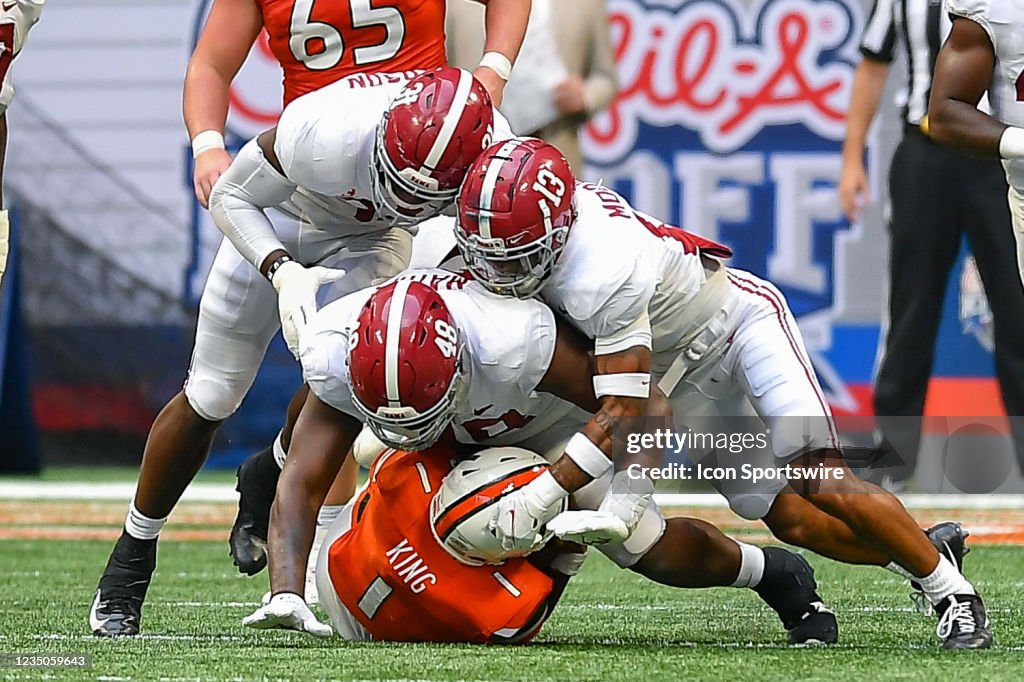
x=625, y=384
x=249, y=185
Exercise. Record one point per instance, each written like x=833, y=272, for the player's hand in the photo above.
x=854, y=194
x=587, y=527
x=519, y=517
x=492, y=82
x=209, y=166
x=297, y=287
x=286, y=611
x=628, y=498
x=569, y=96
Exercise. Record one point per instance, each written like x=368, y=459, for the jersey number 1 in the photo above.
x=326, y=40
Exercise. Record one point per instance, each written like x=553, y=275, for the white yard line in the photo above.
x=225, y=492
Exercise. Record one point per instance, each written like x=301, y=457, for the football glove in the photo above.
x=519, y=517
x=297, y=287
x=628, y=498
x=587, y=527
x=287, y=611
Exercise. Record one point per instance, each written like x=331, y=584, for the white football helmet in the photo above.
x=462, y=508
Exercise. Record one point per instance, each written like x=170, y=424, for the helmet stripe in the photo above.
x=498, y=159
x=482, y=497
x=394, y=336
x=451, y=121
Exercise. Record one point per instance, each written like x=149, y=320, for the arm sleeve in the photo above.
x=879, y=40
x=239, y=198
x=975, y=10
x=602, y=77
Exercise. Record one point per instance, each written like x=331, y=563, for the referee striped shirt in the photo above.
x=918, y=27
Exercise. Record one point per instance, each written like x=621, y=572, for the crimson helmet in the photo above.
x=405, y=365
x=514, y=213
x=433, y=130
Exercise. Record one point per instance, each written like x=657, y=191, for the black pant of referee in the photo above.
x=936, y=195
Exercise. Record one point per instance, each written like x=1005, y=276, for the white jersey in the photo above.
x=509, y=346
x=325, y=142
x=627, y=279
x=1003, y=21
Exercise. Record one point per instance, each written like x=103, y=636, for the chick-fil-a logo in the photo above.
x=727, y=72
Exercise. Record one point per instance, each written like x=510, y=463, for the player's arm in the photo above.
x=868, y=85
x=963, y=71
x=619, y=381
x=230, y=30
x=877, y=49
x=504, y=26
x=252, y=183
x=321, y=437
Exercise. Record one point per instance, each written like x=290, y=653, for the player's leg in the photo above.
x=366, y=259
x=690, y=553
x=779, y=380
x=237, y=318
x=256, y=482
x=986, y=218
x=924, y=241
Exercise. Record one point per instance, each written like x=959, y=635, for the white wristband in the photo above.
x=1011, y=143
x=206, y=140
x=625, y=384
x=498, y=63
x=587, y=456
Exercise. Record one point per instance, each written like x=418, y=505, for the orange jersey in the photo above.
x=397, y=580
x=319, y=42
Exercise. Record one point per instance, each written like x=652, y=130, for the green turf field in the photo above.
x=611, y=625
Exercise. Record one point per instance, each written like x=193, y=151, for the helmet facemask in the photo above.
x=403, y=428
x=519, y=271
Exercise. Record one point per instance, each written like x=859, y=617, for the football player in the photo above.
x=431, y=350
x=984, y=52
x=410, y=558
x=319, y=42
x=17, y=17
x=721, y=344
x=353, y=182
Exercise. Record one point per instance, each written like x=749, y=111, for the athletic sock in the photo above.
x=279, y=452
x=140, y=526
x=751, y=566
x=944, y=581
x=328, y=513
x=894, y=567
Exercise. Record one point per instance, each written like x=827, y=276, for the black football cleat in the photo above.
x=257, y=483
x=789, y=587
x=950, y=539
x=963, y=622
x=117, y=608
